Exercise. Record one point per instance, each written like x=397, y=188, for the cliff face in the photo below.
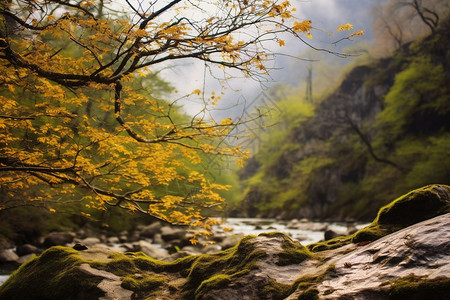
x=384, y=131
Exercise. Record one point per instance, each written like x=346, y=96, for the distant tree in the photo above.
x=347, y=117
x=400, y=21
x=75, y=125
x=428, y=16
x=388, y=27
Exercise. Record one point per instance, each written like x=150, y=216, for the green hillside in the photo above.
x=383, y=132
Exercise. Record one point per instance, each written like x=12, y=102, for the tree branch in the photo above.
x=368, y=144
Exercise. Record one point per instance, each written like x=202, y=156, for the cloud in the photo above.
x=326, y=16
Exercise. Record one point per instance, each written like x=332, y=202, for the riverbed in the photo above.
x=306, y=232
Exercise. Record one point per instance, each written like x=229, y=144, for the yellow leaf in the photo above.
x=309, y=36
x=197, y=91
x=281, y=43
x=358, y=33
x=344, y=27
x=303, y=26
x=227, y=121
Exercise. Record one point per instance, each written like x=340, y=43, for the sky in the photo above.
x=326, y=16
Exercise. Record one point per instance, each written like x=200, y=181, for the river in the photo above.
x=304, y=231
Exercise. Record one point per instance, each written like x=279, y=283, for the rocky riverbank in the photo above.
x=156, y=240
x=405, y=251
x=165, y=242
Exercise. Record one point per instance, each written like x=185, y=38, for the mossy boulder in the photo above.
x=65, y=273
x=55, y=274
x=416, y=206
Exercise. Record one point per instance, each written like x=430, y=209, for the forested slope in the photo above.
x=383, y=132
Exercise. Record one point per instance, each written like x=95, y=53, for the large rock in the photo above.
x=8, y=257
x=418, y=205
x=58, y=239
x=170, y=233
x=24, y=258
x=90, y=241
x=150, y=250
x=408, y=263
x=149, y=231
x=422, y=250
x=27, y=249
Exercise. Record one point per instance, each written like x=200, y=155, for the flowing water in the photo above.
x=304, y=231
x=4, y=275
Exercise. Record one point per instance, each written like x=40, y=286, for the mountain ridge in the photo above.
x=383, y=132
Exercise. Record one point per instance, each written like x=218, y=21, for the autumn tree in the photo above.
x=73, y=123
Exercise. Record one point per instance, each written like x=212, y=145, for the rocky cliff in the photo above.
x=384, y=131
x=395, y=257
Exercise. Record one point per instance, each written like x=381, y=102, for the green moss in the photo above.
x=416, y=206
x=55, y=274
x=372, y=233
x=233, y=262
x=310, y=294
x=335, y=243
x=275, y=290
x=215, y=282
x=138, y=282
x=305, y=284
x=293, y=251
x=417, y=287
x=120, y=265
x=292, y=256
x=308, y=284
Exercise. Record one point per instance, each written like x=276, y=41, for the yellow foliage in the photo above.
x=358, y=33
x=304, y=26
x=344, y=27
x=79, y=120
